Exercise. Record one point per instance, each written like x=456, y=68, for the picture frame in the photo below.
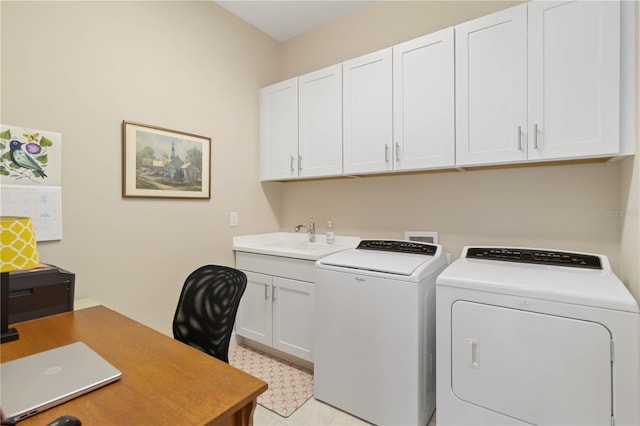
x=164, y=163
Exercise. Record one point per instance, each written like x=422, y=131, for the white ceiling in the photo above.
x=286, y=19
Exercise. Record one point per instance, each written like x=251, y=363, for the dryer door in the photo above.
x=537, y=368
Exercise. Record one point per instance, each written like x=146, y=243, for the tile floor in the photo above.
x=312, y=413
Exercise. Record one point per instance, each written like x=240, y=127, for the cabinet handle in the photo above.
x=519, y=138
x=386, y=153
x=273, y=293
x=535, y=136
x=397, y=151
x=292, y=160
x=299, y=162
x=266, y=294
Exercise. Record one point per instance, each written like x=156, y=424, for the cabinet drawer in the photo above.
x=39, y=302
x=38, y=293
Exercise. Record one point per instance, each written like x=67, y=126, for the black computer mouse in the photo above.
x=65, y=421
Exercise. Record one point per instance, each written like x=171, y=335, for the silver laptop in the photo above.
x=36, y=382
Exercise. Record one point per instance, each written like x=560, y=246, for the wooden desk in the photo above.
x=164, y=382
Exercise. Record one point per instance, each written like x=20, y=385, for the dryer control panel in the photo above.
x=543, y=257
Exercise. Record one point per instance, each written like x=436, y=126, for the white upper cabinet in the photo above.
x=399, y=107
x=574, y=79
x=320, y=122
x=491, y=88
x=279, y=130
x=423, y=102
x=367, y=113
x=543, y=80
x=540, y=81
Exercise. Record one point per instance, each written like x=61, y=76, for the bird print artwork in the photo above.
x=24, y=157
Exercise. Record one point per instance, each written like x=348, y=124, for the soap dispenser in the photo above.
x=330, y=236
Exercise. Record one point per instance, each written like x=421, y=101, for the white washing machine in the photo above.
x=374, y=330
x=535, y=336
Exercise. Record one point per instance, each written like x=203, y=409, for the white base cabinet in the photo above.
x=255, y=310
x=292, y=317
x=276, y=309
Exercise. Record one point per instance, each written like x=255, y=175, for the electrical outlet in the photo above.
x=233, y=219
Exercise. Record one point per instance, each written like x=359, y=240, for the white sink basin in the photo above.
x=300, y=245
x=291, y=244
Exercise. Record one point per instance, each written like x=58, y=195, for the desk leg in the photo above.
x=244, y=416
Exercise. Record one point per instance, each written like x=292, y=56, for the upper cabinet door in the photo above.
x=320, y=121
x=279, y=130
x=491, y=88
x=574, y=78
x=423, y=102
x=368, y=113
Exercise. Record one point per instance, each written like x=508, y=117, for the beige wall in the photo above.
x=573, y=207
x=80, y=68
x=380, y=25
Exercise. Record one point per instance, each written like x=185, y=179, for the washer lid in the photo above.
x=588, y=287
x=404, y=264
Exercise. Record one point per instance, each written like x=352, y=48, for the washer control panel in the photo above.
x=398, y=246
x=543, y=257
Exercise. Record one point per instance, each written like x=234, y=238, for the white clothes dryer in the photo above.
x=535, y=336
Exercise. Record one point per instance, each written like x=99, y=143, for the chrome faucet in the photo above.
x=311, y=230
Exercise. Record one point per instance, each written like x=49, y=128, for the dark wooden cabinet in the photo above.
x=40, y=292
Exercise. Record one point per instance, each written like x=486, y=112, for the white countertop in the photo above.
x=292, y=244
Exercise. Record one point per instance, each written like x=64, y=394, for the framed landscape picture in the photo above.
x=164, y=163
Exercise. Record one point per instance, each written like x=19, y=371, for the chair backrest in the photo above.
x=207, y=309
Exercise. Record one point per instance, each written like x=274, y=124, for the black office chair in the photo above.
x=207, y=309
